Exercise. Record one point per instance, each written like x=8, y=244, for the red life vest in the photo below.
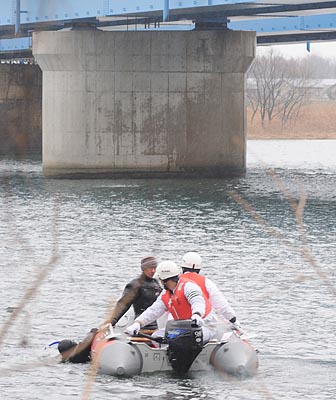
x=178, y=305
x=198, y=279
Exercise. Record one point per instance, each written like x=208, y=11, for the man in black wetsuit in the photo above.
x=140, y=292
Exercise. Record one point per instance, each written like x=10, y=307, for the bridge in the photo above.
x=150, y=87
x=274, y=22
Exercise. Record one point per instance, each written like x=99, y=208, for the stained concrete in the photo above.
x=20, y=110
x=144, y=103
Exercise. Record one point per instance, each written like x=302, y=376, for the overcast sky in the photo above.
x=324, y=49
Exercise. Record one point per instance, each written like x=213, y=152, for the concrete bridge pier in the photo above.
x=20, y=110
x=144, y=104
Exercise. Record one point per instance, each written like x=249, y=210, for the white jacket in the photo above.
x=217, y=300
x=193, y=294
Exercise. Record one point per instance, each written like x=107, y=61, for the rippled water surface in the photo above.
x=88, y=236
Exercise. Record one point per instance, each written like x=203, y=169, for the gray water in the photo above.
x=99, y=229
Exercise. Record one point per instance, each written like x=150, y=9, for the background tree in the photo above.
x=278, y=87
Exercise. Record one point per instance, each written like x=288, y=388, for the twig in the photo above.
x=31, y=292
x=302, y=249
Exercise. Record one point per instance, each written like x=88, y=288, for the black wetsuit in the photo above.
x=141, y=293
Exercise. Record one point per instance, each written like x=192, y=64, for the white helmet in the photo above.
x=167, y=269
x=192, y=260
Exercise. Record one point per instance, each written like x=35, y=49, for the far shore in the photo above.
x=291, y=137
x=316, y=121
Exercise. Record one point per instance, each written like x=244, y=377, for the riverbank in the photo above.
x=315, y=121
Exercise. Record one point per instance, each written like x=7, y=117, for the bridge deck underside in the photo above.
x=282, y=22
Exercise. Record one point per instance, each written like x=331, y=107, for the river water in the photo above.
x=87, y=238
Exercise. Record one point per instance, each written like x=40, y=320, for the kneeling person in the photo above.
x=181, y=297
x=191, y=266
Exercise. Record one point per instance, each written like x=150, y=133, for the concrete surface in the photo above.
x=144, y=103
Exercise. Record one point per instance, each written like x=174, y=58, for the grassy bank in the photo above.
x=315, y=121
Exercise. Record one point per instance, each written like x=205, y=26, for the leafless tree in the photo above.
x=278, y=88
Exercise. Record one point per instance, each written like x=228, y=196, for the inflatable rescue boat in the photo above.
x=180, y=350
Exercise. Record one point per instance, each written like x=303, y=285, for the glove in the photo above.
x=198, y=320
x=237, y=327
x=133, y=329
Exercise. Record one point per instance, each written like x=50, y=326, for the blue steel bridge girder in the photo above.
x=274, y=31
x=34, y=11
x=46, y=11
x=284, y=21
x=287, y=24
